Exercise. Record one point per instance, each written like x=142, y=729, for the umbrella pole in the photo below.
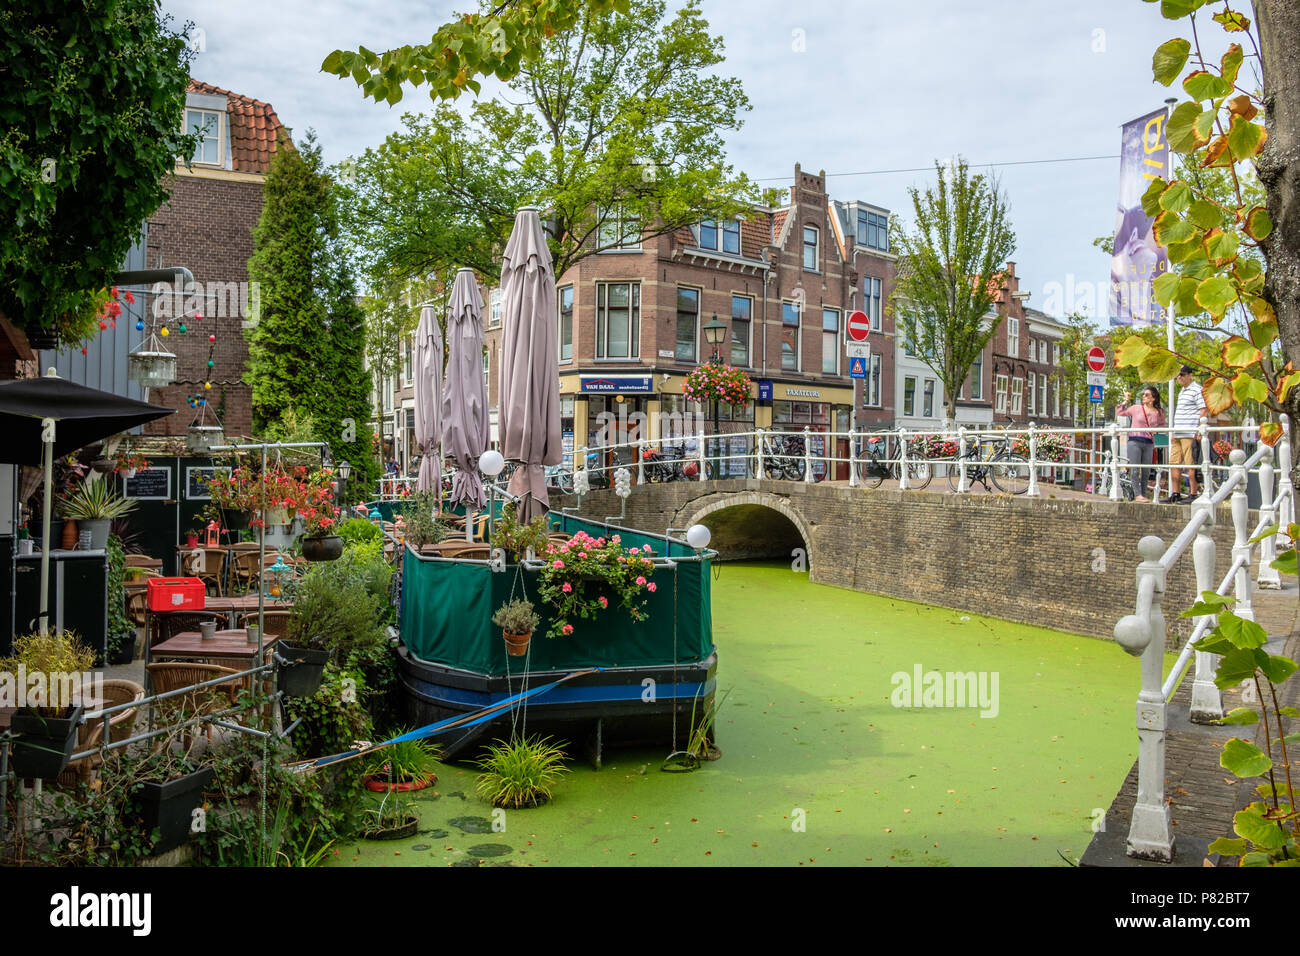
x=47, y=430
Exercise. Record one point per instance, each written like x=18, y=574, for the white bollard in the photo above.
x=853, y=464
x=1286, y=490
x=1207, y=484
x=963, y=482
x=1142, y=634
x=1032, y=491
x=1269, y=577
x=1241, y=546
x=807, y=456
x=1114, y=461
x=703, y=455
x=902, y=460
x=1207, y=705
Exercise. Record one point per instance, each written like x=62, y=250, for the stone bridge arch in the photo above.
x=749, y=524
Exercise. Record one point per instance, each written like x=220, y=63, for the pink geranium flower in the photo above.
x=557, y=564
x=568, y=588
x=651, y=587
x=604, y=601
x=640, y=580
x=567, y=629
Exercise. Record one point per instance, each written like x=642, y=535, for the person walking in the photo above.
x=1187, y=426
x=1141, y=441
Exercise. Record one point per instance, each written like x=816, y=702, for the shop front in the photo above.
x=822, y=410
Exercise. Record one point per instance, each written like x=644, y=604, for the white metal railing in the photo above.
x=1142, y=633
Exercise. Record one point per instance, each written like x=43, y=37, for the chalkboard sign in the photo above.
x=196, y=482
x=150, y=483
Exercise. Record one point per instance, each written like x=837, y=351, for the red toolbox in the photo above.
x=175, y=594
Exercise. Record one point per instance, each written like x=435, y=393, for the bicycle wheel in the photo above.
x=870, y=472
x=919, y=473
x=1010, y=473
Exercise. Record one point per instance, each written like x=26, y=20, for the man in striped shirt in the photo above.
x=1187, y=424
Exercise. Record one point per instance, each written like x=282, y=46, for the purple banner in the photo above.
x=1136, y=260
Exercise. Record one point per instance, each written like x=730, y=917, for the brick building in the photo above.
x=207, y=226
x=1025, y=361
x=783, y=281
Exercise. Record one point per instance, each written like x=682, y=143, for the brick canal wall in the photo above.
x=1064, y=564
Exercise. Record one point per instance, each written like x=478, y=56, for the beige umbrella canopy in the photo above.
x=464, y=399
x=529, y=396
x=428, y=398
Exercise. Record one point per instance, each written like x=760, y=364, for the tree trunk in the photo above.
x=1278, y=22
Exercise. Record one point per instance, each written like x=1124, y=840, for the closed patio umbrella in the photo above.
x=428, y=399
x=529, y=397
x=79, y=416
x=464, y=397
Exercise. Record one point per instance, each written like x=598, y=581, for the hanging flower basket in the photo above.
x=151, y=369
x=201, y=439
x=322, y=548
x=721, y=383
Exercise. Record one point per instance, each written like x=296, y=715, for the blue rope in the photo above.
x=451, y=723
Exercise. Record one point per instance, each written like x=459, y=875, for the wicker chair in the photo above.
x=276, y=623
x=138, y=561
x=120, y=726
x=208, y=565
x=246, y=569
x=137, y=606
x=169, y=676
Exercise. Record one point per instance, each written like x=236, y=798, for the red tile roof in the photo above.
x=254, y=128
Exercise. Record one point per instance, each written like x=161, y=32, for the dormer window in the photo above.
x=208, y=123
x=709, y=229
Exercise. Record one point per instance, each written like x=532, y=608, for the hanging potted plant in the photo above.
x=49, y=719
x=320, y=518
x=517, y=621
x=151, y=365
x=128, y=463
x=94, y=506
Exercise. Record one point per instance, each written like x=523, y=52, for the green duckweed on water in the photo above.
x=818, y=766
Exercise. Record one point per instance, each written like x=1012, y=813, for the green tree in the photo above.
x=616, y=131
x=307, y=351
x=950, y=260
x=498, y=41
x=92, y=98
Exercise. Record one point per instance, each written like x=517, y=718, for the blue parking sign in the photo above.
x=1094, y=394
x=857, y=368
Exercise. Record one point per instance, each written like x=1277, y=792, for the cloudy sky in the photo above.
x=861, y=89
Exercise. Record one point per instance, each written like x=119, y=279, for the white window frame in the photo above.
x=909, y=401
x=487, y=366
x=494, y=309
x=218, y=134
x=634, y=320
x=694, y=357
x=559, y=318
x=1013, y=336
x=977, y=378
x=1056, y=399
x=1017, y=395
x=1042, y=395
x=1056, y=354
x=836, y=348
x=798, y=335
x=613, y=236
x=816, y=248
x=749, y=323
x=1033, y=393
x=873, y=384
x=872, y=289
x=927, y=398
x=1000, y=390
x=1042, y=351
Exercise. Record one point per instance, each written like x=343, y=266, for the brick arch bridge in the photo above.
x=1061, y=563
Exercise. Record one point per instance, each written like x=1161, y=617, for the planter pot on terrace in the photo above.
x=98, y=528
x=299, y=669
x=46, y=743
x=325, y=548
x=170, y=806
x=201, y=439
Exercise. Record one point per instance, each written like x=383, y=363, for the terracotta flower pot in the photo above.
x=516, y=644
x=70, y=534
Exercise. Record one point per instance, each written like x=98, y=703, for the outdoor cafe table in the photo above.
x=237, y=604
x=231, y=644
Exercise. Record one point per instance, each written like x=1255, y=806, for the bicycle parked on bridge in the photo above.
x=783, y=459
x=872, y=471
x=1125, y=478
x=1008, y=471
x=667, y=463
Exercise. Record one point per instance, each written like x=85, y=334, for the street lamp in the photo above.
x=714, y=331
x=345, y=471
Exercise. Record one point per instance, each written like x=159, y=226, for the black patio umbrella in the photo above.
x=78, y=416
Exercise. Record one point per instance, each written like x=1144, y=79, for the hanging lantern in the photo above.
x=152, y=366
x=213, y=539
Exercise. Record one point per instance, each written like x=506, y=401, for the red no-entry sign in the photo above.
x=1096, y=359
x=859, y=326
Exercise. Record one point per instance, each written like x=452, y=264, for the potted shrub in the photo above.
x=517, y=539
x=93, y=505
x=521, y=774
x=420, y=516
x=171, y=788
x=49, y=725
x=517, y=620
x=403, y=766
